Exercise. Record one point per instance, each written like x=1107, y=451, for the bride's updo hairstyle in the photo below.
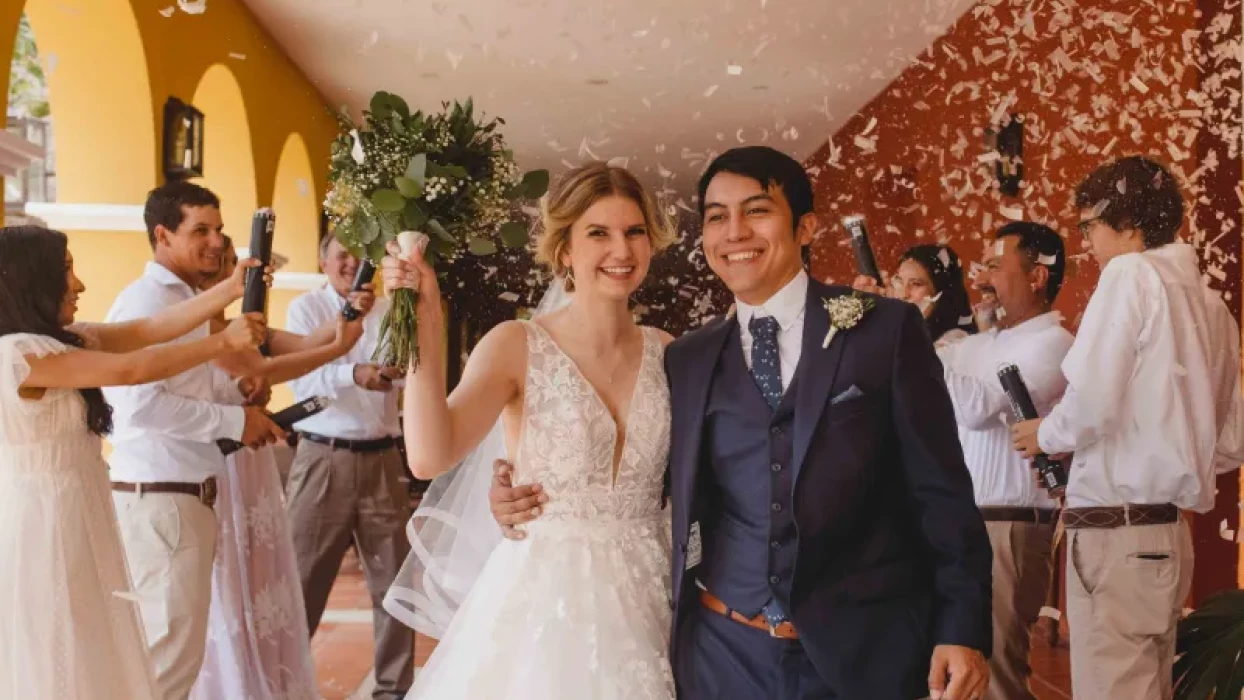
x=575, y=193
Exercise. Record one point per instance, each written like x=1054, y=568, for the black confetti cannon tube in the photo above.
x=865, y=261
x=365, y=273
x=1053, y=476
x=286, y=418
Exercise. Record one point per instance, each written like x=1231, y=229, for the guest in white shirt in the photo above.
x=346, y=482
x=1024, y=270
x=1142, y=415
x=164, y=459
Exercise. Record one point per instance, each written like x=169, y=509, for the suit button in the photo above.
x=774, y=580
x=775, y=545
x=777, y=507
x=776, y=467
x=775, y=430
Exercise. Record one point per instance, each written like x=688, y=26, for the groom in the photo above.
x=826, y=543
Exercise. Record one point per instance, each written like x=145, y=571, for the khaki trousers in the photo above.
x=170, y=545
x=1021, y=573
x=1126, y=588
x=334, y=497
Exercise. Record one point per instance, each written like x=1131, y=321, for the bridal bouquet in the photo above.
x=448, y=174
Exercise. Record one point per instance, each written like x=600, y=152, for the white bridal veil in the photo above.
x=452, y=533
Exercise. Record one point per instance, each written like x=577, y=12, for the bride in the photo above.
x=580, y=608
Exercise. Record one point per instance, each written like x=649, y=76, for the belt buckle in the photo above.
x=207, y=493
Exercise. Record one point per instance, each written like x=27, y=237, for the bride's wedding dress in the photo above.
x=579, y=609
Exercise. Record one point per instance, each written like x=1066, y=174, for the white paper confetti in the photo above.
x=508, y=296
x=1052, y=613
x=237, y=56
x=304, y=188
x=168, y=11
x=1139, y=84
x=356, y=152
x=709, y=92
x=999, y=247
x=192, y=7
x=372, y=40
x=1012, y=213
x=734, y=69
x=453, y=58
x=1047, y=259
x=964, y=320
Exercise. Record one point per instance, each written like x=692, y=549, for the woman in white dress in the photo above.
x=258, y=646
x=579, y=609
x=71, y=629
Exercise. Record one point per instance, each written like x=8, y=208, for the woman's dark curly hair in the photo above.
x=33, y=287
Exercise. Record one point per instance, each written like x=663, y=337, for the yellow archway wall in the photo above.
x=112, y=65
x=105, y=130
x=297, y=207
x=228, y=162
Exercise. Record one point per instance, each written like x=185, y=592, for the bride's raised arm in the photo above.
x=441, y=431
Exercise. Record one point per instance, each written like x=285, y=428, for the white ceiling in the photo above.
x=645, y=80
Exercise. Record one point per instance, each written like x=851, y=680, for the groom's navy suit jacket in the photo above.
x=892, y=556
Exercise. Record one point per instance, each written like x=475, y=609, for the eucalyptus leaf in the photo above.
x=413, y=216
x=409, y=188
x=417, y=169
x=481, y=246
x=388, y=200
x=437, y=247
x=375, y=251
x=535, y=184
x=513, y=234
x=439, y=231
x=368, y=230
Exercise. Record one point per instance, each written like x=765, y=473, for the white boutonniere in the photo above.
x=845, y=313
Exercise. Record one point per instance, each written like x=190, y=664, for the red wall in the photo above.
x=1092, y=81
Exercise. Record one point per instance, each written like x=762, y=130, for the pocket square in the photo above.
x=853, y=392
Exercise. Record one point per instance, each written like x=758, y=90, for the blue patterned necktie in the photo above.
x=766, y=364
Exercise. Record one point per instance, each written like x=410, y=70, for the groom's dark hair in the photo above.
x=164, y=205
x=769, y=167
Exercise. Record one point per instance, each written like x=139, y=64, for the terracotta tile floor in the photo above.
x=343, y=647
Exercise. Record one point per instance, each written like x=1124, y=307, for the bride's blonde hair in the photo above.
x=574, y=194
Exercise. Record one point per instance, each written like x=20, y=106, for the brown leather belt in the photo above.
x=205, y=492
x=1121, y=516
x=375, y=445
x=786, y=630
x=1013, y=514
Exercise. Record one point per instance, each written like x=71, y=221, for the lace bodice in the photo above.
x=567, y=439
x=49, y=433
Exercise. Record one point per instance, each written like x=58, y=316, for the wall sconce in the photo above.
x=1008, y=141
x=183, y=140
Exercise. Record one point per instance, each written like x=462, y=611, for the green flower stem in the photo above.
x=398, y=345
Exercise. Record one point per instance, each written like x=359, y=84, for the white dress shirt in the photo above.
x=167, y=430
x=1229, y=453
x=355, y=413
x=787, y=307
x=1140, y=411
x=1000, y=476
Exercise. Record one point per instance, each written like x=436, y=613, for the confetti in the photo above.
x=1012, y=213
x=372, y=40
x=1052, y=613
x=734, y=69
x=999, y=248
x=709, y=92
x=1139, y=84
x=192, y=7
x=238, y=56
x=168, y=11
x=1047, y=259
x=304, y=188
x=453, y=58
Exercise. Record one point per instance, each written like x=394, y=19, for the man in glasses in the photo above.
x=1149, y=376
